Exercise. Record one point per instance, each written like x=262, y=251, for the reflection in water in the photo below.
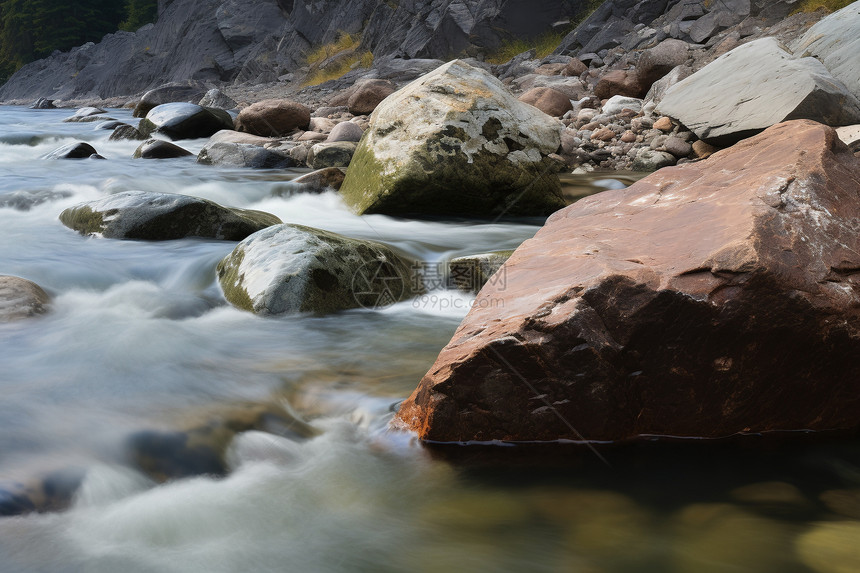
x=141, y=378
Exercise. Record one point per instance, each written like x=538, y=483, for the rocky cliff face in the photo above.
x=254, y=42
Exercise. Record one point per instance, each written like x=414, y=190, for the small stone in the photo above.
x=604, y=134
x=628, y=137
x=664, y=124
x=677, y=147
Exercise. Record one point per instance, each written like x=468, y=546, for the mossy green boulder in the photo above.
x=163, y=216
x=292, y=268
x=456, y=142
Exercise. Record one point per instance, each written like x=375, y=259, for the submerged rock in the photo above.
x=321, y=179
x=159, y=149
x=126, y=133
x=292, y=268
x=243, y=155
x=79, y=150
x=185, y=121
x=753, y=87
x=163, y=216
x=456, y=142
x=20, y=298
x=689, y=304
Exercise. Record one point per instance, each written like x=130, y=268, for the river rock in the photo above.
x=345, y=131
x=617, y=104
x=163, y=216
x=830, y=547
x=753, y=87
x=835, y=40
x=689, y=304
x=87, y=119
x=231, y=136
x=273, y=117
x=292, y=268
x=322, y=179
x=43, y=103
x=126, y=133
x=217, y=99
x=79, y=150
x=619, y=82
x=185, y=121
x=368, y=94
x=472, y=272
x=20, y=298
x=652, y=160
x=173, y=92
x=551, y=102
x=456, y=142
x=159, y=149
x=655, y=63
x=338, y=154
x=243, y=155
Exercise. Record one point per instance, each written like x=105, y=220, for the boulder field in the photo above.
x=706, y=300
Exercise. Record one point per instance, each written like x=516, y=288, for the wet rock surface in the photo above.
x=163, y=216
x=21, y=298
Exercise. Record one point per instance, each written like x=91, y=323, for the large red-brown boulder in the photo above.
x=706, y=300
x=273, y=117
x=551, y=102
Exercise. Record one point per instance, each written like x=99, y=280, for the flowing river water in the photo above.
x=139, y=342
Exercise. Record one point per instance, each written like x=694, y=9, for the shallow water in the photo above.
x=140, y=339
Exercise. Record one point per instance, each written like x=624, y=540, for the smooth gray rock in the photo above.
x=753, y=87
x=655, y=63
x=243, y=155
x=835, y=40
x=617, y=104
x=163, y=216
x=185, y=121
x=79, y=150
x=292, y=268
x=159, y=149
x=345, y=131
x=20, y=298
x=183, y=92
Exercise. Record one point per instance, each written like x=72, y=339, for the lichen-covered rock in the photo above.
x=706, y=300
x=753, y=87
x=456, y=142
x=20, y=298
x=292, y=268
x=185, y=121
x=337, y=154
x=243, y=155
x=159, y=149
x=163, y=216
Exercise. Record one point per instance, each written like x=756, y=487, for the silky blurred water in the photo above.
x=139, y=338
